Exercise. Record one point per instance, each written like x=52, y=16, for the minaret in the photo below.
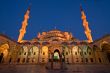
x=86, y=26
x=24, y=25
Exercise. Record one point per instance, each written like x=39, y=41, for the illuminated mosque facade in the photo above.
x=54, y=46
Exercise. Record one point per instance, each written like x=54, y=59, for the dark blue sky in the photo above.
x=46, y=14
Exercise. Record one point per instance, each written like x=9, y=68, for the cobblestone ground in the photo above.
x=43, y=69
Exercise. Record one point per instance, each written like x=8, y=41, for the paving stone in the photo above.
x=42, y=69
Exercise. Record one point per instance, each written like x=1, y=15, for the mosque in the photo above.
x=54, y=46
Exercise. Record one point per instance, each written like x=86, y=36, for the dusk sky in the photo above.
x=45, y=15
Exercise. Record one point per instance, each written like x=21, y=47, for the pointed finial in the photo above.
x=29, y=6
x=81, y=7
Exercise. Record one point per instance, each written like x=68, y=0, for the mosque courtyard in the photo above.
x=29, y=68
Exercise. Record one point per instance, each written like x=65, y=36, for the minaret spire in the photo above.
x=24, y=25
x=86, y=26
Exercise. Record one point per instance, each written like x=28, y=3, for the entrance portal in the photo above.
x=56, y=59
x=56, y=55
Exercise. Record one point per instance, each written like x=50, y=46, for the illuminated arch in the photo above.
x=4, y=46
x=23, y=50
x=45, y=49
x=56, y=54
x=84, y=48
x=66, y=51
x=35, y=49
x=105, y=45
x=44, y=54
x=33, y=54
x=75, y=49
x=4, y=49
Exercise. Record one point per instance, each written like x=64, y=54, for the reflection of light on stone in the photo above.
x=75, y=48
x=45, y=48
x=5, y=52
x=4, y=48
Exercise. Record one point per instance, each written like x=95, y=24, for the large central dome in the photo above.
x=55, y=35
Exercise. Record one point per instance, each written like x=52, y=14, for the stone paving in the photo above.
x=42, y=69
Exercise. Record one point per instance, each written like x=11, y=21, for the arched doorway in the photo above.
x=56, y=55
x=1, y=57
x=56, y=63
